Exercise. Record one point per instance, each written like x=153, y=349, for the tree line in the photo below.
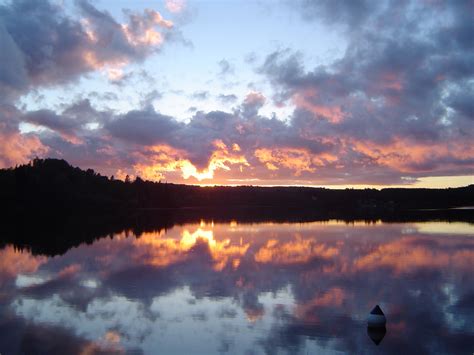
x=55, y=185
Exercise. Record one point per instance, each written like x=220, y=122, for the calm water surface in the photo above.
x=245, y=289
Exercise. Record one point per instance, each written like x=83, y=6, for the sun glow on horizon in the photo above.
x=142, y=91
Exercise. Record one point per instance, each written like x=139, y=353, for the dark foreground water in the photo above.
x=245, y=289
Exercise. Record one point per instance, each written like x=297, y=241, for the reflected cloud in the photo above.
x=410, y=254
x=376, y=334
x=160, y=251
x=14, y=262
x=268, y=287
x=109, y=343
x=299, y=251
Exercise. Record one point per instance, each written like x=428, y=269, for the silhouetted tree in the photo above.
x=54, y=185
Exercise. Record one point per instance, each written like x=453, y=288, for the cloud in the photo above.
x=14, y=262
x=45, y=46
x=225, y=67
x=233, y=146
x=200, y=95
x=16, y=148
x=145, y=127
x=399, y=97
x=13, y=74
x=227, y=98
x=252, y=103
x=103, y=96
x=350, y=13
x=150, y=97
x=461, y=100
x=297, y=160
x=396, y=106
x=19, y=148
x=175, y=6
x=165, y=159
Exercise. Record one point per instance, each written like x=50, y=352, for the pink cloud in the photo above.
x=175, y=6
x=17, y=148
x=308, y=100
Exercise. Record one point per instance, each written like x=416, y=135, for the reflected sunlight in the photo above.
x=281, y=286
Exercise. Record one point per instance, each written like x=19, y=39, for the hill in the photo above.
x=49, y=206
x=54, y=185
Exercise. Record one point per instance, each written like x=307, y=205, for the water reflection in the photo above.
x=245, y=288
x=376, y=334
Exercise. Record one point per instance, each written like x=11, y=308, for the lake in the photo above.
x=236, y=288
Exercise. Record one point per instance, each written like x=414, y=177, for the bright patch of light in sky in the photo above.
x=331, y=93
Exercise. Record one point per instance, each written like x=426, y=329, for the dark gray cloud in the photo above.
x=19, y=336
x=403, y=82
x=132, y=77
x=225, y=67
x=150, y=97
x=71, y=121
x=253, y=102
x=227, y=98
x=250, y=58
x=121, y=141
x=103, y=96
x=144, y=127
x=396, y=106
x=42, y=45
x=350, y=13
x=13, y=74
x=200, y=95
x=462, y=100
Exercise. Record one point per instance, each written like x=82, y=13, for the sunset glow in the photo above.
x=274, y=286
x=161, y=251
x=223, y=93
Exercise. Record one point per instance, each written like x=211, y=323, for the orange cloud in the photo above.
x=154, y=249
x=149, y=38
x=140, y=32
x=254, y=314
x=122, y=175
x=166, y=159
x=305, y=99
x=14, y=262
x=110, y=342
x=298, y=251
x=404, y=155
x=17, y=148
x=70, y=270
x=296, y=159
x=332, y=298
x=404, y=256
x=254, y=98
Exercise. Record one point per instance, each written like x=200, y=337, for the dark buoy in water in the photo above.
x=376, y=334
x=376, y=325
x=376, y=318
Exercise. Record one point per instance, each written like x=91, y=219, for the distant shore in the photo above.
x=49, y=205
x=54, y=185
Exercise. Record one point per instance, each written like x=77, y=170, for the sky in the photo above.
x=321, y=93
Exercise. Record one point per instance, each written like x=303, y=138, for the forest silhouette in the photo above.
x=49, y=205
x=53, y=184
